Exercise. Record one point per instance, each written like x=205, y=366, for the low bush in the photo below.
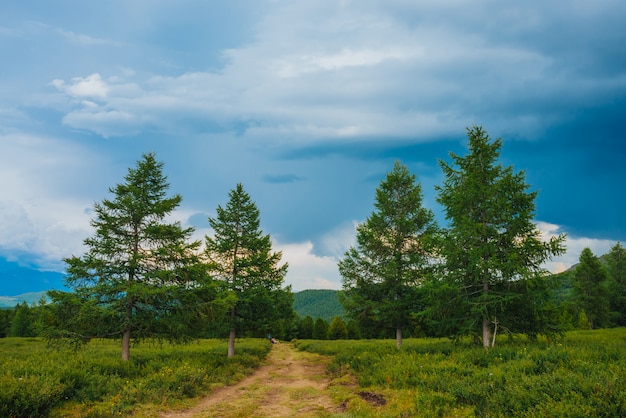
x=584, y=374
x=94, y=382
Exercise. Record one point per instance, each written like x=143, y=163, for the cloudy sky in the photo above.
x=307, y=104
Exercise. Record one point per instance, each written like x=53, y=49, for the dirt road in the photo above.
x=290, y=383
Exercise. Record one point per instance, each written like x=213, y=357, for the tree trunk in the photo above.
x=398, y=337
x=486, y=333
x=231, y=343
x=486, y=323
x=126, y=345
x=233, y=334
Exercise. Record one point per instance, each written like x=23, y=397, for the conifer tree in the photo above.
x=383, y=272
x=590, y=285
x=491, y=240
x=240, y=255
x=354, y=332
x=6, y=317
x=337, y=330
x=616, y=268
x=22, y=324
x=306, y=328
x=138, y=270
x=320, y=329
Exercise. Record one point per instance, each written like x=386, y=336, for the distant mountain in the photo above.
x=602, y=258
x=16, y=279
x=318, y=303
x=29, y=298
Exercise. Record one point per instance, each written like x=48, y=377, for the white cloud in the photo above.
x=85, y=40
x=308, y=270
x=291, y=67
x=337, y=241
x=107, y=123
x=574, y=247
x=46, y=230
x=16, y=231
x=91, y=86
x=350, y=70
x=306, y=71
x=40, y=211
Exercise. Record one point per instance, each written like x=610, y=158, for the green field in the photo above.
x=37, y=381
x=582, y=375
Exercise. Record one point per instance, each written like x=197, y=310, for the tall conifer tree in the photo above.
x=382, y=273
x=240, y=255
x=138, y=268
x=491, y=239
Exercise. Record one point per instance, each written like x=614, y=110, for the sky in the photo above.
x=307, y=104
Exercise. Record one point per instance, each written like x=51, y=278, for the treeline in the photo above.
x=26, y=320
x=590, y=295
x=22, y=320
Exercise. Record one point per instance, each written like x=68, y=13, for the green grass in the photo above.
x=94, y=382
x=583, y=375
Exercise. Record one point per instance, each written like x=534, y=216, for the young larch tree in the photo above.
x=240, y=255
x=383, y=272
x=138, y=268
x=491, y=239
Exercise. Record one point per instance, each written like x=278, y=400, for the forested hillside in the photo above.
x=318, y=303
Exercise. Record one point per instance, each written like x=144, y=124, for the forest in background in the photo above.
x=318, y=303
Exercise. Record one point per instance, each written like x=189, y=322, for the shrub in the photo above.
x=582, y=375
x=94, y=382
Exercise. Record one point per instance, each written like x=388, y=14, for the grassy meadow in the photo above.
x=37, y=381
x=581, y=375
